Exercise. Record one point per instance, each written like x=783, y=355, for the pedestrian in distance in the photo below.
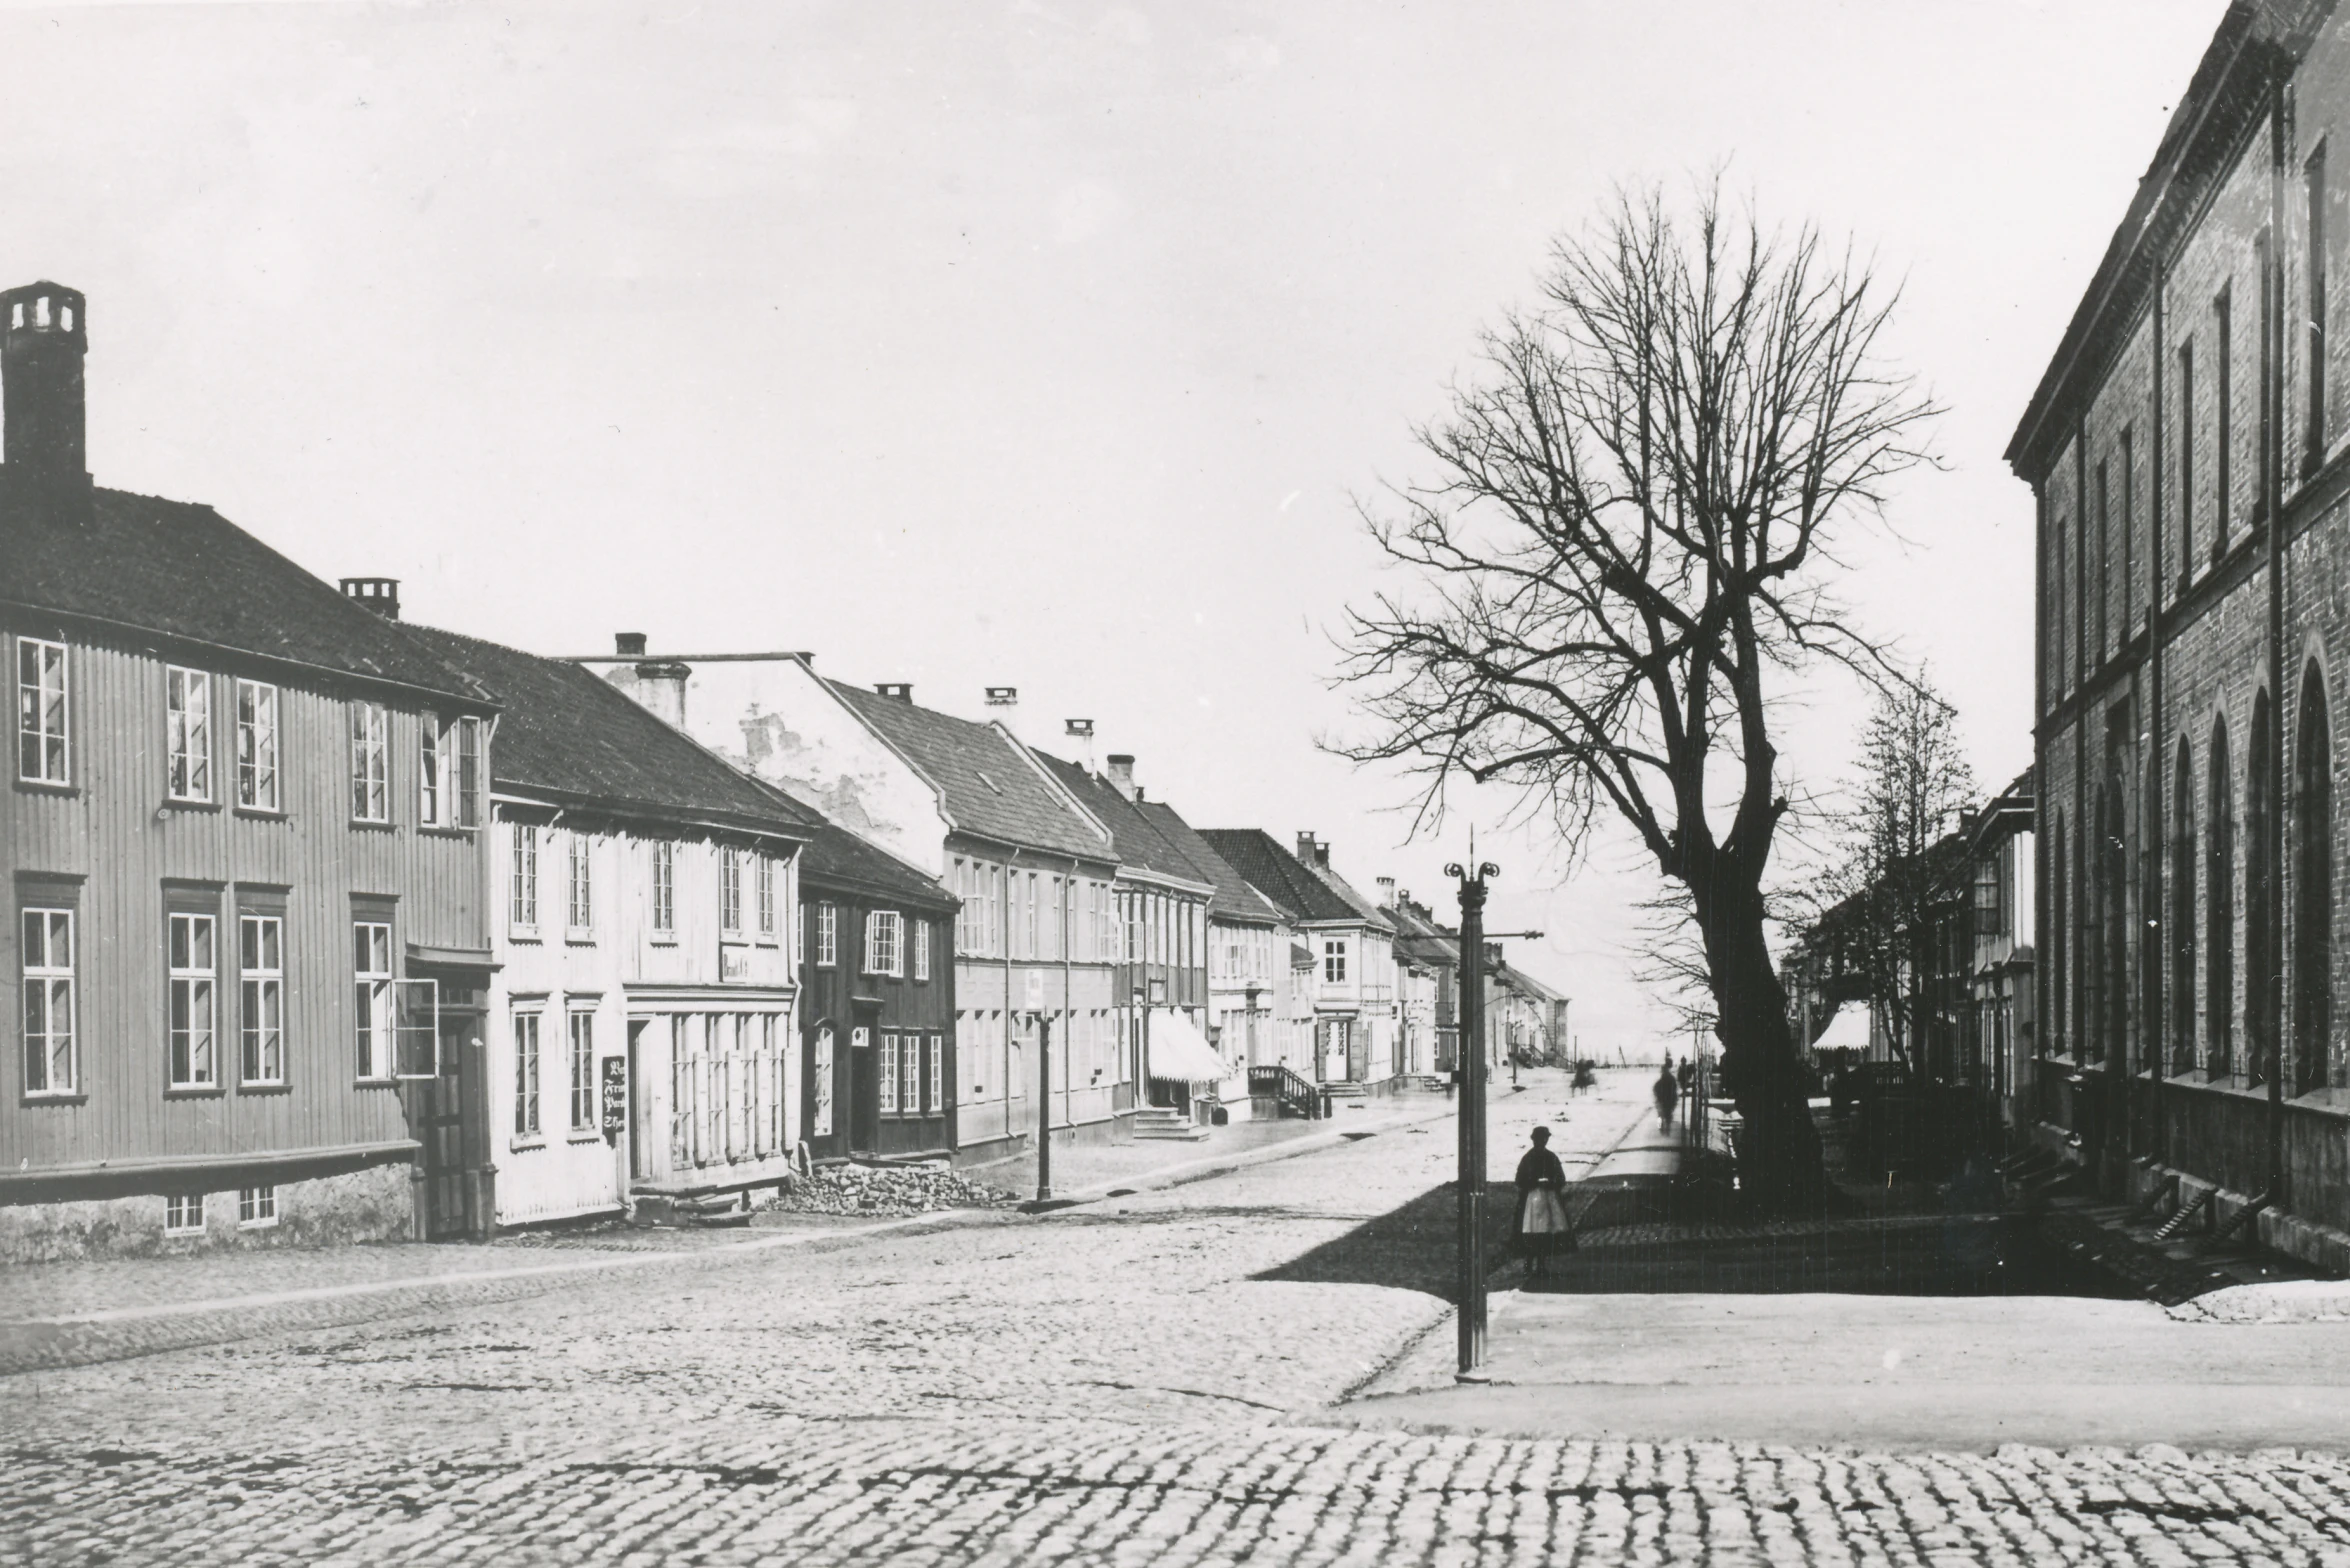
x=1584, y=1076
x=1542, y=1206
x=1688, y=1076
x=1668, y=1095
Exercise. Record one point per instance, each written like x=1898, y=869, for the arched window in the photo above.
x=2182, y=913
x=2219, y=874
x=2260, y=953
x=2313, y=886
x=2059, y=1037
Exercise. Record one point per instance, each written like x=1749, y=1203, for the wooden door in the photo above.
x=442, y=1127
x=640, y=1131
x=864, y=1092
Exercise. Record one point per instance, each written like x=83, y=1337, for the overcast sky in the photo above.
x=1039, y=345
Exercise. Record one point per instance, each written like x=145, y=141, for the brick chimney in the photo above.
x=658, y=685
x=1121, y=775
x=1386, y=892
x=44, y=340
x=1312, y=850
x=380, y=594
x=897, y=691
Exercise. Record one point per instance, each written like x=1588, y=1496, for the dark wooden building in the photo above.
x=877, y=969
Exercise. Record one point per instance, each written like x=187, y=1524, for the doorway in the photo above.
x=453, y=1209
x=640, y=1132
x=864, y=1092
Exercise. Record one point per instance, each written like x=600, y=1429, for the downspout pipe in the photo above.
x=2273, y=498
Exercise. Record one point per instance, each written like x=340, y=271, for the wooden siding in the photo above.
x=115, y=831
x=635, y=981
x=840, y=996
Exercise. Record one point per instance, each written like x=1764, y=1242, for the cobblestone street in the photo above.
x=1140, y=1380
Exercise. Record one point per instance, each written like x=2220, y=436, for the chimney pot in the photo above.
x=901, y=691
x=629, y=645
x=1003, y=696
x=380, y=594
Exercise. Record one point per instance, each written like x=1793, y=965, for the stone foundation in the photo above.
x=372, y=1204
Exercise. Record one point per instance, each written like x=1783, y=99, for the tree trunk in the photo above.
x=1779, y=1164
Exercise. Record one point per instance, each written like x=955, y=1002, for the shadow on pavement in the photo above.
x=1414, y=1247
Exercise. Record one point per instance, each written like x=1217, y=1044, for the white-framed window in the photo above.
x=579, y=896
x=42, y=755
x=766, y=895
x=889, y=1072
x=827, y=935
x=910, y=1082
x=820, y=1084
x=194, y=975
x=432, y=790
x=257, y=786
x=183, y=1214
x=730, y=890
x=882, y=955
x=522, y=899
x=918, y=943
x=938, y=1072
x=771, y=1046
x=187, y=741
x=681, y=1094
x=583, y=1070
x=256, y=1207
x=371, y=766
x=526, y=1074
x=465, y=785
x=261, y=999
x=371, y=965
x=743, y=1135
x=665, y=887
x=1334, y=961
x=49, y=1058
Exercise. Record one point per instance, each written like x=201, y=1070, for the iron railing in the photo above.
x=1293, y=1092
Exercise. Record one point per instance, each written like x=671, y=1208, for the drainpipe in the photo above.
x=2273, y=455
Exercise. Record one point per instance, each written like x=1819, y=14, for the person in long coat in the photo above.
x=1542, y=1209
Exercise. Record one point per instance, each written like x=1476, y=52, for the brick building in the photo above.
x=2189, y=453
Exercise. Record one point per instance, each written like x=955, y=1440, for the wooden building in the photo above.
x=644, y=1031
x=244, y=840
x=1352, y=948
x=878, y=997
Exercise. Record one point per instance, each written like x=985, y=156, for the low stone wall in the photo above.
x=371, y=1204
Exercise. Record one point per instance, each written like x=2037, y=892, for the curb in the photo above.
x=1208, y=1167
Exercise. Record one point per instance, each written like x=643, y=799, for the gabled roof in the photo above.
x=1422, y=938
x=1366, y=909
x=181, y=570
x=1273, y=871
x=571, y=737
x=1134, y=833
x=1235, y=898
x=836, y=860
x=989, y=784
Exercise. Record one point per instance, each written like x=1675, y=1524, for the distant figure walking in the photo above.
x=1668, y=1095
x=1584, y=1076
x=1688, y=1076
x=1542, y=1207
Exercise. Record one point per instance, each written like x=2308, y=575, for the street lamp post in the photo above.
x=1044, y=1108
x=1471, y=1183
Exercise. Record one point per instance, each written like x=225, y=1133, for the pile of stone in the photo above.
x=886, y=1189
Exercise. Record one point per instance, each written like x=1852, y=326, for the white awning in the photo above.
x=1179, y=1053
x=1847, y=1031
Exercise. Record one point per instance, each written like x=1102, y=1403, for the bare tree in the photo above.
x=1627, y=538
x=1893, y=869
